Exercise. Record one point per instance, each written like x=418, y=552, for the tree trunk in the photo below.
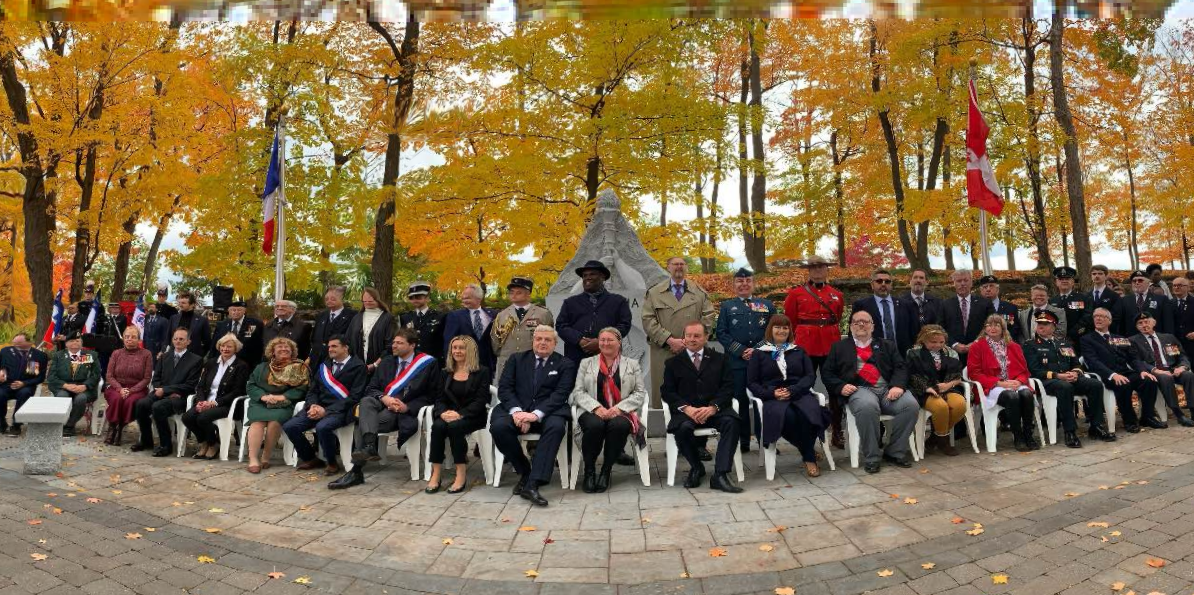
x=1133, y=230
x=1032, y=159
x=945, y=241
x=121, y=274
x=709, y=264
x=151, y=258
x=1010, y=244
x=382, y=264
x=1073, y=160
x=743, y=163
x=86, y=182
x=974, y=264
x=839, y=200
x=6, y=272
x=756, y=251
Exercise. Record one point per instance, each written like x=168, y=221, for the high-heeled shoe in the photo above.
x=119, y=435
x=459, y=490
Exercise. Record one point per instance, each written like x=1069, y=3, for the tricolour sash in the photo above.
x=420, y=361
x=329, y=382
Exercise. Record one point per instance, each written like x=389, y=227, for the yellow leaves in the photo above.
x=685, y=575
x=206, y=560
x=928, y=565
x=216, y=510
x=527, y=528
x=150, y=529
x=886, y=572
x=910, y=500
x=35, y=522
x=785, y=591
x=276, y=575
x=1155, y=562
x=531, y=573
x=766, y=547
x=56, y=511
x=1116, y=533
x=1118, y=586
x=717, y=552
x=777, y=529
x=976, y=530
x=999, y=579
x=38, y=557
x=132, y=536
x=214, y=530
x=1098, y=524
x=447, y=541
x=302, y=580
x=1072, y=494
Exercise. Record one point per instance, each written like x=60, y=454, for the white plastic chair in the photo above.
x=97, y=410
x=225, y=425
x=854, y=441
x=244, y=438
x=344, y=435
x=1108, y=397
x=640, y=454
x=673, y=451
x=922, y=422
x=481, y=437
x=767, y=453
x=991, y=416
x=413, y=446
x=499, y=459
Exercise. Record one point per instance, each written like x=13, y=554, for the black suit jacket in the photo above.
x=431, y=331
x=157, y=334
x=1125, y=313
x=1105, y=358
x=251, y=335
x=683, y=385
x=232, y=384
x=841, y=365
x=10, y=362
x=1171, y=350
x=354, y=378
x=323, y=330
x=295, y=329
x=181, y=379
x=419, y=391
x=472, y=404
x=906, y=322
x=517, y=389
x=927, y=313
x=458, y=322
x=579, y=318
x=1011, y=314
x=200, y=331
x=1183, y=320
x=951, y=318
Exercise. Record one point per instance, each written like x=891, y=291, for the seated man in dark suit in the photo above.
x=400, y=387
x=336, y=388
x=22, y=368
x=1113, y=358
x=533, y=398
x=698, y=388
x=175, y=376
x=894, y=320
x=1161, y=355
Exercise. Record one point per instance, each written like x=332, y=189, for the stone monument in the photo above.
x=612, y=240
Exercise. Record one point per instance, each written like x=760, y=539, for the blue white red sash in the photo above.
x=329, y=382
x=420, y=361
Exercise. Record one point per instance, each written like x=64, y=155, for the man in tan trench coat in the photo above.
x=668, y=306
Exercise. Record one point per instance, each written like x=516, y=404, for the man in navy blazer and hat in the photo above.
x=473, y=320
x=583, y=315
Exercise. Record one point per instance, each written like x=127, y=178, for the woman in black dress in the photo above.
x=459, y=411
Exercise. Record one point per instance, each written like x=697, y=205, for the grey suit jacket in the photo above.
x=1026, y=322
x=630, y=375
x=1171, y=349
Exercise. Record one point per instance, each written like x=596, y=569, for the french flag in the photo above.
x=55, y=320
x=93, y=315
x=269, y=199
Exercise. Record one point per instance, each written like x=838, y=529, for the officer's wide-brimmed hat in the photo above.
x=417, y=289
x=815, y=261
x=238, y=304
x=73, y=336
x=1065, y=273
x=593, y=265
x=985, y=279
x=1046, y=317
x=743, y=273
x=520, y=283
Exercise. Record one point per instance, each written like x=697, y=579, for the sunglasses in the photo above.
x=882, y=281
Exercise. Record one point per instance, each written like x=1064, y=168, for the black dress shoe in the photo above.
x=1020, y=444
x=1133, y=428
x=68, y=432
x=12, y=431
x=1098, y=432
x=532, y=493
x=1072, y=441
x=462, y=489
x=162, y=451
x=721, y=481
x=519, y=485
x=1156, y=424
x=603, y=480
x=1185, y=422
x=590, y=482
x=352, y=478
x=695, y=476
x=1033, y=444
x=625, y=459
x=871, y=467
x=429, y=489
x=706, y=455
x=368, y=450
x=138, y=447
x=903, y=463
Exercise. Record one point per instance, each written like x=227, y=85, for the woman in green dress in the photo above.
x=275, y=386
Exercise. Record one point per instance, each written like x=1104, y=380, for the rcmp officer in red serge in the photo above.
x=741, y=325
x=816, y=310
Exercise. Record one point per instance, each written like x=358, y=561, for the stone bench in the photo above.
x=43, y=418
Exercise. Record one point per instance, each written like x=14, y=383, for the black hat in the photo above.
x=417, y=289
x=1138, y=274
x=1046, y=317
x=985, y=279
x=1143, y=315
x=593, y=265
x=238, y=304
x=1065, y=273
x=113, y=304
x=520, y=283
x=743, y=273
x=73, y=336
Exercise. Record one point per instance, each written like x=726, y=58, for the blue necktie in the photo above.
x=678, y=290
x=888, y=322
x=538, y=371
x=478, y=328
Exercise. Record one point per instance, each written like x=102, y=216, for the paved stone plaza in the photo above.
x=843, y=533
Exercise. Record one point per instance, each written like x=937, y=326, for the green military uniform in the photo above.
x=741, y=324
x=80, y=368
x=1046, y=359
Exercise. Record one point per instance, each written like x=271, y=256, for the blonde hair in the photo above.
x=472, y=361
x=928, y=331
x=273, y=344
x=998, y=319
x=230, y=338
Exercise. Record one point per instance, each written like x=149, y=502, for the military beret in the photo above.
x=1046, y=317
x=73, y=336
x=520, y=283
x=985, y=279
x=1143, y=315
x=1136, y=274
x=1065, y=272
x=743, y=273
x=417, y=289
x=113, y=305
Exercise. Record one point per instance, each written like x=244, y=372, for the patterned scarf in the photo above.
x=613, y=395
x=1000, y=350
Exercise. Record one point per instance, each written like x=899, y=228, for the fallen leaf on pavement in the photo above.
x=42, y=541
x=447, y=541
x=531, y=573
x=176, y=504
x=717, y=552
x=886, y=572
x=52, y=494
x=645, y=520
x=38, y=557
x=72, y=496
x=894, y=496
x=957, y=520
x=215, y=510
x=1071, y=494
x=35, y=522
x=548, y=540
x=150, y=529
x=57, y=511
x=132, y=536
x=276, y=574
x=1155, y=562
x=506, y=520
x=928, y=565
x=1104, y=538
x=1104, y=487
x=924, y=471
x=974, y=532
x=785, y=591
x=910, y=500
x=117, y=492
x=303, y=580
x=766, y=547
x=214, y=530
x=1099, y=524
x=685, y=575
x=206, y=559
x=999, y=579
x=1142, y=482
x=1116, y=533
x=304, y=509
x=526, y=528
x=777, y=529
x=1118, y=586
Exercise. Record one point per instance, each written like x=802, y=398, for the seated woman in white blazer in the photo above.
x=609, y=390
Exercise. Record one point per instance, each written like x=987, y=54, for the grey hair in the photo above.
x=286, y=303
x=476, y=290
x=613, y=331
x=547, y=328
x=336, y=289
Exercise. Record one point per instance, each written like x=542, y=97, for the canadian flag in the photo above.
x=982, y=191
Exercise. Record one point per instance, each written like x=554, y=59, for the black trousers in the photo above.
x=159, y=410
x=599, y=434
x=551, y=433
x=1020, y=405
x=1167, y=384
x=203, y=425
x=726, y=424
x=374, y=418
x=455, y=433
x=1066, y=391
x=1146, y=389
x=20, y=395
x=801, y=433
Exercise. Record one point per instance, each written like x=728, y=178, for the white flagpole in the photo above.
x=982, y=213
x=280, y=216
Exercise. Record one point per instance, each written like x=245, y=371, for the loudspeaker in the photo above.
x=221, y=298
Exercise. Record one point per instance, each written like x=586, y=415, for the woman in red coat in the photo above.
x=997, y=363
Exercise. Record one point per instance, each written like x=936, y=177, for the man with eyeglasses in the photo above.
x=1115, y=360
x=1141, y=299
x=894, y=321
x=1183, y=313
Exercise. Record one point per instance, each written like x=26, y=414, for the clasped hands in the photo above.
x=700, y=414
x=394, y=404
x=524, y=419
x=606, y=413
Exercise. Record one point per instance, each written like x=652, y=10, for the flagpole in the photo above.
x=280, y=216
x=982, y=213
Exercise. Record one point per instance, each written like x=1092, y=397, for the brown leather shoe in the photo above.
x=333, y=469
x=309, y=465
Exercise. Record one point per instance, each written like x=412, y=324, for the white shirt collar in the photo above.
x=336, y=312
x=858, y=343
x=692, y=354
x=225, y=364
x=422, y=310
x=182, y=353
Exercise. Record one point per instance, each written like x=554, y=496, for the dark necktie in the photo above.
x=538, y=371
x=236, y=327
x=521, y=312
x=24, y=360
x=419, y=317
x=331, y=318
x=678, y=291
x=401, y=365
x=888, y=322
x=177, y=358
x=965, y=306
x=696, y=361
x=336, y=368
x=1157, y=358
x=1140, y=301
x=478, y=328
x=1097, y=293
